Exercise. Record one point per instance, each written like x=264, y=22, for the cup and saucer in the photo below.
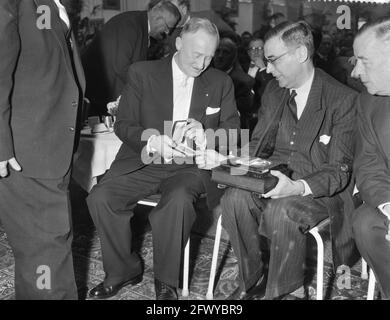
x=96, y=129
x=99, y=128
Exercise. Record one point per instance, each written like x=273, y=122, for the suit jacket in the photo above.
x=329, y=112
x=147, y=101
x=122, y=41
x=372, y=162
x=40, y=90
x=261, y=80
x=243, y=84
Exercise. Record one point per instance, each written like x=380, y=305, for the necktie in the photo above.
x=62, y=11
x=292, y=105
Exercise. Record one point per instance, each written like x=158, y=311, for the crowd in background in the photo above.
x=239, y=54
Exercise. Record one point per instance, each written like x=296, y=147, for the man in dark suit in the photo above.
x=306, y=120
x=371, y=220
x=41, y=87
x=122, y=41
x=162, y=48
x=158, y=93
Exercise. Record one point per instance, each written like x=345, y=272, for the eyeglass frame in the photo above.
x=256, y=49
x=266, y=60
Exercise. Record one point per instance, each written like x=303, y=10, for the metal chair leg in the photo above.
x=364, y=274
x=371, y=286
x=214, y=260
x=320, y=262
x=185, y=291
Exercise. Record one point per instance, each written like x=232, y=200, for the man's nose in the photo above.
x=269, y=67
x=355, y=72
x=200, y=64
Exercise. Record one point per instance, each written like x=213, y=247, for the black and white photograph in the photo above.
x=133, y=141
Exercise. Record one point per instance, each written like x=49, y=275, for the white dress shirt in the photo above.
x=182, y=92
x=302, y=95
x=63, y=14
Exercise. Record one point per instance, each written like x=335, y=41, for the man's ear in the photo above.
x=386, y=40
x=302, y=53
x=178, y=43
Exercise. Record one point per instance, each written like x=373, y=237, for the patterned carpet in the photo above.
x=89, y=272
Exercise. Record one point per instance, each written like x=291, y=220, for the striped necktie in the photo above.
x=292, y=105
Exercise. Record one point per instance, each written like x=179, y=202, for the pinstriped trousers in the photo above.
x=282, y=222
x=369, y=228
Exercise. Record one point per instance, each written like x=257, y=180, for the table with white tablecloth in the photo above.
x=94, y=156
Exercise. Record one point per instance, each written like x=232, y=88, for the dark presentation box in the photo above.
x=251, y=174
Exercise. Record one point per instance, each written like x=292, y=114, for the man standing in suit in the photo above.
x=123, y=40
x=41, y=88
x=306, y=120
x=157, y=94
x=371, y=220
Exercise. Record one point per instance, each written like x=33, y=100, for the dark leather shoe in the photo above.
x=257, y=292
x=164, y=291
x=102, y=292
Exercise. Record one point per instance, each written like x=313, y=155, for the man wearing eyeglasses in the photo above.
x=306, y=121
x=123, y=40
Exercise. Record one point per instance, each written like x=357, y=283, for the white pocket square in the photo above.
x=210, y=110
x=325, y=139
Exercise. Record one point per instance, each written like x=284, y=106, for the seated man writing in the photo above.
x=157, y=95
x=306, y=121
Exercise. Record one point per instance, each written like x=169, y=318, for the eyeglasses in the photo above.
x=272, y=61
x=256, y=49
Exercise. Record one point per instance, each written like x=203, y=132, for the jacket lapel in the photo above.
x=56, y=28
x=266, y=144
x=164, y=81
x=313, y=114
x=78, y=65
x=199, y=98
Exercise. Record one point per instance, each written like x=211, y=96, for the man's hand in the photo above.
x=4, y=166
x=208, y=159
x=386, y=211
x=164, y=146
x=259, y=62
x=285, y=187
x=194, y=130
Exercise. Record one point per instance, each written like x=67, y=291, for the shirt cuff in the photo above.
x=203, y=145
x=252, y=71
x=381, y=206
x=149, y=149
x=307, y=190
